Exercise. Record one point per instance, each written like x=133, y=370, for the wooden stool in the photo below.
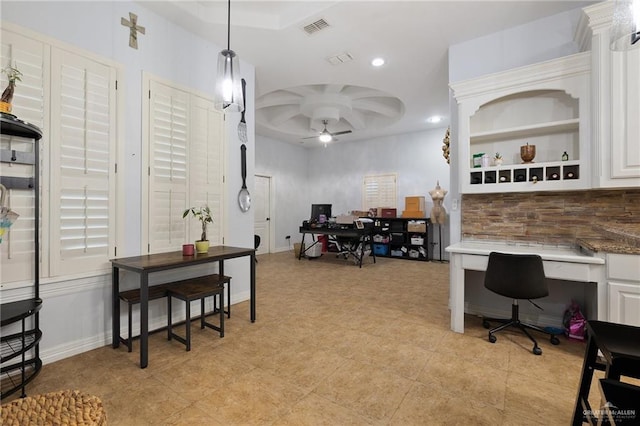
x=196, y=289
x=215, y=299
x=132, y=297
x=55, y=408
x=620, y=347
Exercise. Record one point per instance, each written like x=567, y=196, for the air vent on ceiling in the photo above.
x=340, y=58
x=316, y=26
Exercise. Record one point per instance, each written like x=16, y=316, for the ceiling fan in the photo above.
x=326, y=136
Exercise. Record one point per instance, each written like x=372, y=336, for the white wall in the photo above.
x=287, y=165
x=334, y=174
x=76, y=313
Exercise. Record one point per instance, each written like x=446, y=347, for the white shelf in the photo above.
x=545, y=105
x=527, y=131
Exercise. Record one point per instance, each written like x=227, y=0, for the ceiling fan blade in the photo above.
x=311, y=137
x=341, y=133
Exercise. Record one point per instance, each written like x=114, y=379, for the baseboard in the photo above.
x=79, y=346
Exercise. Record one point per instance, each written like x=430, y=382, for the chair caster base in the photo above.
x=554, y=340
x=492, y=338
x=536, y=350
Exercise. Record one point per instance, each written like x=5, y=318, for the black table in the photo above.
x=364, y=237
x=620, y=347
x=144, y=265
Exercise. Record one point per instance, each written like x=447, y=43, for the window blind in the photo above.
x=83, y=141
x=379, y=191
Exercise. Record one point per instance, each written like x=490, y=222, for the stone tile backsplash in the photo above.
x=548, y=217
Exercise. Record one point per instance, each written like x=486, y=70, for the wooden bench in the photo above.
x=132, y=297
x=197, y=289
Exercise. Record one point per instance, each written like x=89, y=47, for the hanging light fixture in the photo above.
x=228, y=95
x=625, y=32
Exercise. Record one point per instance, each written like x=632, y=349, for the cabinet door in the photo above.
x=624, y=303
x=625, y=110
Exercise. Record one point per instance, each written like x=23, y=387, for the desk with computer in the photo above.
x=347, y=237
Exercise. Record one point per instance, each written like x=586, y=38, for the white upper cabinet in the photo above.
x=545, y=105
x=616, y=99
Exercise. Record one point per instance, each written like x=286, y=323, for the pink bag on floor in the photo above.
x=575, y=323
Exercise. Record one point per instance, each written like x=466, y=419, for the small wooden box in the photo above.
x=413, y=213
x=387, y=212
x=414, y=203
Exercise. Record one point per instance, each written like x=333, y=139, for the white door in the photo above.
x=261, y=202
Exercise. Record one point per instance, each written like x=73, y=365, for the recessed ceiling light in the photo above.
x=377, y=62
x=434, y=119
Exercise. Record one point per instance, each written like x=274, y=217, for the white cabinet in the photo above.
x=623, y=281
x=616, y=101
x=546, y=105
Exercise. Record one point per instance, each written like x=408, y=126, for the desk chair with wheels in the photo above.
x=517, y=276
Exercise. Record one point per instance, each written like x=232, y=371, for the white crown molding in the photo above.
x=524, y=76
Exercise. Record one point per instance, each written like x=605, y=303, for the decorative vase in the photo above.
x=7, y=98
x=527, y=153
x=202, y=246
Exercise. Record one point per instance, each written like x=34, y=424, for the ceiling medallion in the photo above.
x=304, y=110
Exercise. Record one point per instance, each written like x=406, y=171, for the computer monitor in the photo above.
x=320, y=209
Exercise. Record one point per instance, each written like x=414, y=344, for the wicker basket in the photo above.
x=55, y=408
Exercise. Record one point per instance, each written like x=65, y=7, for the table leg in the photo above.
x=252, y=292
x=456, y=293
x=115, y=307
x=301, y=247
x=590, y=354
x=144, y=320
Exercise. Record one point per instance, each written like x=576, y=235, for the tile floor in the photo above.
x=333, y=345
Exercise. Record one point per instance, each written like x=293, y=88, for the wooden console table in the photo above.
x=144, y=265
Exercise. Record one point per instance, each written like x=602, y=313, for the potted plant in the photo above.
x=497, y=159
x=13, y=74
x=203, y=214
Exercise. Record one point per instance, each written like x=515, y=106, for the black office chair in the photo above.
x=517, y=276
x=256, y=243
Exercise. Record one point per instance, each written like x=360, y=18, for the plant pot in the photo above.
x=5, y=107
x=202, y=246
x=497, y=162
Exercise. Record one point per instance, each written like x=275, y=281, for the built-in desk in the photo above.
x=559, y=263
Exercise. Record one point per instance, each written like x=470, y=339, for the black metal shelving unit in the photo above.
x=19, y=350
x=397, y=238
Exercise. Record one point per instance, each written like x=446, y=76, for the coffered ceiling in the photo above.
x=313, y=59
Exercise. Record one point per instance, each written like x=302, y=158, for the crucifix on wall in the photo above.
x=134, y=28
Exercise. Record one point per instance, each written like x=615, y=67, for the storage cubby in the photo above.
x=546, y=105
x=403, y=238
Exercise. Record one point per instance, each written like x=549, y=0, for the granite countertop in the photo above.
x=619, y=238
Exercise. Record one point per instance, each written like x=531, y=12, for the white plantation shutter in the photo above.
x=379, y=191
x=205, y=166
x=168, y=191
x=83, y=147
x=29, y=56
x=185, y=145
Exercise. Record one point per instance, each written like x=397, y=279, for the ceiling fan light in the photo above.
x=325, y=137
x=625, y=31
